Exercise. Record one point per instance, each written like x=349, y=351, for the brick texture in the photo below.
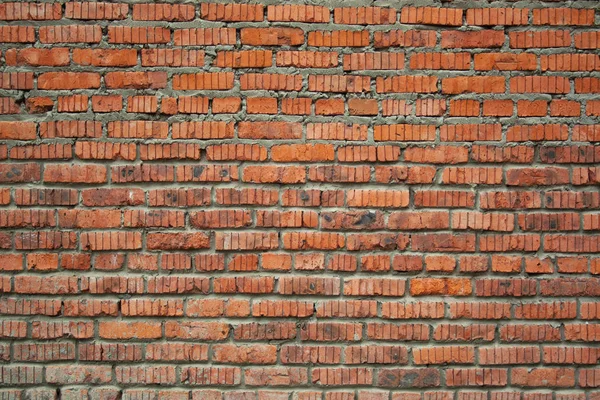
x=326, y=201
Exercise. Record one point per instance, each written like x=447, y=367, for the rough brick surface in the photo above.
x=327, y=201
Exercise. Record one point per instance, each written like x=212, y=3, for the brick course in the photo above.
x=226, y=201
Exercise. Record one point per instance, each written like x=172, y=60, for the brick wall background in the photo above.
x=343, y=201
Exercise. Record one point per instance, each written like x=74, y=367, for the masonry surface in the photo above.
x=338, y=201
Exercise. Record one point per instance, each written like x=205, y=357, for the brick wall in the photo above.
x=344, y=201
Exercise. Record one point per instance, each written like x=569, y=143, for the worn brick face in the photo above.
x=327, y=201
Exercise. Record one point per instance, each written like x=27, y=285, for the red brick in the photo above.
x=203, y=81
x=254, y=354
x=17, y=130
x=269, y=130
x=37, y=57
x=407, y=84
x=563, y=16
x=410, y=38
x=226, y=105
x=33, y=11
x=105, y=58
x=96, y=10
x=364, y=15
x=339, y=83
x=163, y=12
x=534, y=108
x=70, y=34
x=363, y=107
x=505, y=62
x=272, y=36
x=373, y=61
x=543, y=377
x=261, y=105
x=298, y=13
x=129, y=330
x=408, y=378
x=138, y=34
x=16, y=80
x=472, y=39
x=498, y=108
x=135, y=80
x=539, y=84
x=431, y=16
x=451, y=61
x=17, y=34
x=497, y=16
x=9, y=106
x=338, y=38
x=330, y=107
x=302, y=153
x=440, y=287
x=244, y=59
x=473, y=84
x=68, y=80
x=231, y=12
x=75, y=173
x=306, y=59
